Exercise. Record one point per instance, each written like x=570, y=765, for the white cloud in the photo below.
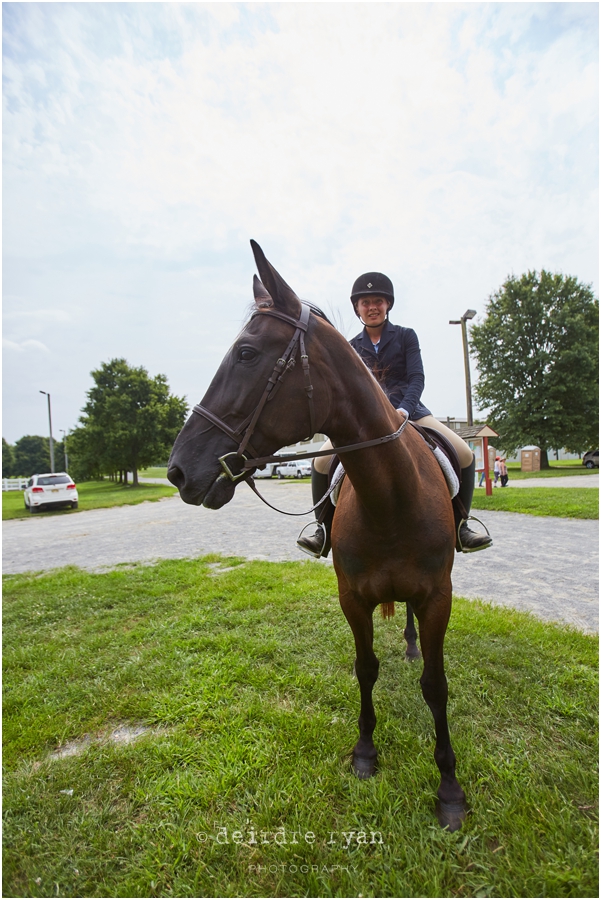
x=23, y=346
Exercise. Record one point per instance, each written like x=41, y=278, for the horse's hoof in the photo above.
x=364, y=767
x=412, y=654
x=450, y=815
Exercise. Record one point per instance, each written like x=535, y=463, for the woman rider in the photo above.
x=394, y=351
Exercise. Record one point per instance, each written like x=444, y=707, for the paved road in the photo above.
x=546, y=565
x=577, y=481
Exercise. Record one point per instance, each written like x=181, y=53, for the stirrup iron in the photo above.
x=464, y=522
x=316, y=524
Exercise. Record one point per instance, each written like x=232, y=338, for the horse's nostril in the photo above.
x=176, y=477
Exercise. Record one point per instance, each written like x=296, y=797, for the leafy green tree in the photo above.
x=8, y=459
x=130, y=420
x=84, y=460
x=59, y=456
x=538, y=356
x=32, y=454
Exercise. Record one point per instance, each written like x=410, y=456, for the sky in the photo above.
x=448, y=145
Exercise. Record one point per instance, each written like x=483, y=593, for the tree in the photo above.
x=537, y=353
x=8, y=459
x=130, y=420
x=84, y=460
x=32, y=454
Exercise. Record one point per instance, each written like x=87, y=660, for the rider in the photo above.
x=394, y=352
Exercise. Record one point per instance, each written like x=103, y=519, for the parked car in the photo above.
x=50, y=490
x=295, y=469
x=591, y=459
x=267, y=472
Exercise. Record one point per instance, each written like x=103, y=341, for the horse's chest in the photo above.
x=377, y=579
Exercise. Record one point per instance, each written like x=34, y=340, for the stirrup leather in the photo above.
x=464, y=522
x=316, y=524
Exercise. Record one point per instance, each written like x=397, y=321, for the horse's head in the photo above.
x=225, y=419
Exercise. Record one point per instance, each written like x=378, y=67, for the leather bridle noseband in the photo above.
x=244, y=432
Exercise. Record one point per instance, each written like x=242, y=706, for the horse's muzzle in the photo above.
x=176, y=477
x=214, y=494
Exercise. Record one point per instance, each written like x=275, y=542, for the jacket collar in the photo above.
x=385, y=337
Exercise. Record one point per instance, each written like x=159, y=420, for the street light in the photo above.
x=65, y=449
x=468, y=314
x=50, y=427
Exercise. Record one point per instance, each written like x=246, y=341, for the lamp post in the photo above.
x=65, y=449
x=50, y=428
x=468, y=314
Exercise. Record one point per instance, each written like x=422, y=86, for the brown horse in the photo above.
x=393, y=537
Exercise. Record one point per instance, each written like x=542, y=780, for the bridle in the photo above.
x=244, y=432
x=285, y=362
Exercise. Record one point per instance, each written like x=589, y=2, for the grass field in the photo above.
x=557, y=469
x=241, y=787
x=92, y=495
x=571, y=503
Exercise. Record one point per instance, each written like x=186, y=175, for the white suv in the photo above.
x=294, y=469
x=48, y=490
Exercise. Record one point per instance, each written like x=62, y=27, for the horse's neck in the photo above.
x=360, y=411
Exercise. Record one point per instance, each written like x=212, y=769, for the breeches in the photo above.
x=322, y=463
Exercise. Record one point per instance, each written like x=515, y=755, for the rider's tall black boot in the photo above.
x=319, y=544
x=469, y=540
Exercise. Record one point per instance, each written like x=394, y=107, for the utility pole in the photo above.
x=50, y=429
x=468, y=314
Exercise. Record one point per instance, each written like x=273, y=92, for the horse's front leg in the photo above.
x=433, y=617
x=412, y=650
x=365, y=756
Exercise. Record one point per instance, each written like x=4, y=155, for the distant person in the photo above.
x=503, y=471
x=497, y=470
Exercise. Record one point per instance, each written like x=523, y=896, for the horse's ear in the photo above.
x=282, y=294
x=262, y=297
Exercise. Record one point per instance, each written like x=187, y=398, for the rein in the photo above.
x=245, y=431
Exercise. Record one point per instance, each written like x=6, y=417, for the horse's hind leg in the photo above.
x=433, y=619
x=365, y=756
x=412, y=650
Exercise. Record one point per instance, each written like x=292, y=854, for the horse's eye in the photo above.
x=246, y=354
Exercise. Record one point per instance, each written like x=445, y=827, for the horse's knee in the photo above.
x=434, y=689
x=367, y=671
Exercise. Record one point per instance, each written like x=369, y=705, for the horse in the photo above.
x=393, y=534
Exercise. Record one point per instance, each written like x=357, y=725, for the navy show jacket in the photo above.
x=397, y=365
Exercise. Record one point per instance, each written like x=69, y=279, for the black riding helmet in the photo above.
x=372, y=283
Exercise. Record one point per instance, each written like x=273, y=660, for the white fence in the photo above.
x=14, y=484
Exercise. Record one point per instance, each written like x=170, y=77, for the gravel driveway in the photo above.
x=546, y=565
x=577, y=481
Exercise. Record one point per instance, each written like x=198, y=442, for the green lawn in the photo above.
x=154, y=472
x=92, y=495
x=570, y=503
x=558, y=469
x=242, y=672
